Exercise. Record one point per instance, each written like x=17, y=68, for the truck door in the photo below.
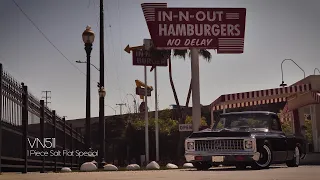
x=279, y=144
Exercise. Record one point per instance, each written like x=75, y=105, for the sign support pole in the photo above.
x=146, y=115
x=156, y=114
x=196, y=108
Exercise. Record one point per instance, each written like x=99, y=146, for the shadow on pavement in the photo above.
x=234, y=169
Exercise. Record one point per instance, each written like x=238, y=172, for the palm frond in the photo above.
x=205, y=54
x=180, y=53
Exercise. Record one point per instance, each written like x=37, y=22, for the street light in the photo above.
x=135, y=102
x=115, y=111
x=88, y=38
x=90, y=64
x=283, y=84
x=102, y=94
x=315, y=71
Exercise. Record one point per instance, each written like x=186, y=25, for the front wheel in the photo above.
x=295, y=161
x=202, y=166
x=265, y=159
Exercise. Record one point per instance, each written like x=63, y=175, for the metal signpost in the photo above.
x=196, y=28
x=141, y=56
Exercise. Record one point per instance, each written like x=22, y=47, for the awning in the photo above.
x=253, y=98
x=316, y=96
x=303, y=99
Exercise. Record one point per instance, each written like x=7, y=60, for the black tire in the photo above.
x=295, y=161
x=200, y=166
x=241, y=166
x=265, y=159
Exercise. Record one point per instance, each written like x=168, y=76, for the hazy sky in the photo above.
x=275, y=30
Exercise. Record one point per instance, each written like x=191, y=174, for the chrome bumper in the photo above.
x=191, y=156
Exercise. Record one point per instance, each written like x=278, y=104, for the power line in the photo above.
x=34, y=24
x=46, y=97
x=121, y=104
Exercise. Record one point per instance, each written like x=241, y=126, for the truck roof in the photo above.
x=251, y=112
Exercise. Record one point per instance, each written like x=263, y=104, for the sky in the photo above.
x=275, y=30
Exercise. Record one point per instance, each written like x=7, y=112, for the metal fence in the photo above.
x=24, y=118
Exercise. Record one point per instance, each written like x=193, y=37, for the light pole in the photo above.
x=101, y=84
x=115, y=111
x=314, y=73
x=88, y=38
x=102, y=94
x=134, y=103
x=283, y=84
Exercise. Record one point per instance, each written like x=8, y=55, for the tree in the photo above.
x=179, y=53
x=202, y=123
x=166, y=54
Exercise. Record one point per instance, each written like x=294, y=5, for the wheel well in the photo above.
x=262, y=142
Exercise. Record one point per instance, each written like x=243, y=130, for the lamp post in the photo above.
x=115, y=111
x=314, y=73
x=134, y=102
x=282, y=83
x=88, y=38
x=102, y=94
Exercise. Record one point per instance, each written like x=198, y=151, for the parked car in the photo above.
x=241, y=139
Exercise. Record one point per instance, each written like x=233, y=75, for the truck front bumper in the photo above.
x=222, y=158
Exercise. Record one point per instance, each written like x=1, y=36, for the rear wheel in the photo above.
x=265, y=159
x=295, y=161
x=202, y=165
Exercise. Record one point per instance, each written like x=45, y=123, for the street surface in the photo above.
x=274, y=173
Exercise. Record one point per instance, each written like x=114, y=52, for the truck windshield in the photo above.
x=250, y=120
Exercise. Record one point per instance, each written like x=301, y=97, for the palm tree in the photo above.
x=180, y=53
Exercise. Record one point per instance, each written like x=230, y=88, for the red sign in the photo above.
x=141, y=91
x=204, y=28
x=143, y=58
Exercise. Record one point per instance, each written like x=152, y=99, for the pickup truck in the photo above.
x=241, y=139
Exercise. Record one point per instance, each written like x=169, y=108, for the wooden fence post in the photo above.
x=54, y=120
x=25, y=117
x=42, y=135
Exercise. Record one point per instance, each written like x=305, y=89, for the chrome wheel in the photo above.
x=295, y=161
x=297, y=155
x=265, y=157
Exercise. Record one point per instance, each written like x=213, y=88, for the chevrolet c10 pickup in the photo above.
x=241, y=139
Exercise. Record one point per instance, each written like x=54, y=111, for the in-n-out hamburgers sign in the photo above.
x=208, y=28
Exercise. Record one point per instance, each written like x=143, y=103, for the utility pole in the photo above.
x=121, y=104
x=46, y=97
x=102, y=131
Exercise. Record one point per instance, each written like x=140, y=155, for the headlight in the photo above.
x=248, y=144
x=190, y=145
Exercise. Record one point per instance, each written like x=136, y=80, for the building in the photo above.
x=296, y=101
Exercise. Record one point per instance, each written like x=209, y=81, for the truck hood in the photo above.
x=229, y=133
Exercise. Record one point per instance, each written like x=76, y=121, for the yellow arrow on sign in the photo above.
x=128, y=49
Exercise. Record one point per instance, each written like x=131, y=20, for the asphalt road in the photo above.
x=274, y=173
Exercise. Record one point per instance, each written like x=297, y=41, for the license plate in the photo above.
x=217, y=158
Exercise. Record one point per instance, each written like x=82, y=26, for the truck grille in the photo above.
x=219, y=145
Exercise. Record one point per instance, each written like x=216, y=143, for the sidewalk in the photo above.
x=311, y=159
